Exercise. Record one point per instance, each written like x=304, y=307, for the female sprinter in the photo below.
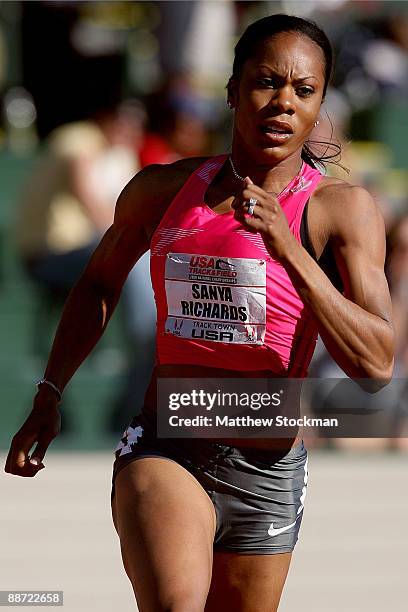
x=203, y=525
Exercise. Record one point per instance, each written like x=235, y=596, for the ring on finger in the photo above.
x=252, y=202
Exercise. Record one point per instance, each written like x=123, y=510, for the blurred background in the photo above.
x=93, y=91
x=90, y=93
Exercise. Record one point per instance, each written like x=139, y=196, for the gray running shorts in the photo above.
x=258, y=495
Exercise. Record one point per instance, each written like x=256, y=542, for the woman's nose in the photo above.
x=283, y=101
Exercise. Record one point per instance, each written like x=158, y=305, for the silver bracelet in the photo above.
x=44, y=381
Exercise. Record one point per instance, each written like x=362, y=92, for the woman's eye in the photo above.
x=266, y=82
x=305, y=91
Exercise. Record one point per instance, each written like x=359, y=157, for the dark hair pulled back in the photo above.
x=268, y=27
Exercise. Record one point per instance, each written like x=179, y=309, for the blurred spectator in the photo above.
x=68, y=202
x=178, y=123
x=385, y=59
x=195, y=37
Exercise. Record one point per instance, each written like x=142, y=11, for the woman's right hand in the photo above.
x=42, y=425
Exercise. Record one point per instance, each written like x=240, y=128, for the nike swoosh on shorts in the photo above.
x=273, y=532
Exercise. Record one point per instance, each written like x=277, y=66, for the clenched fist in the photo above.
x=268, y=218
x=42, y=425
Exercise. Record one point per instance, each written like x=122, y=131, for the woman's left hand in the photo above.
x=268, y=219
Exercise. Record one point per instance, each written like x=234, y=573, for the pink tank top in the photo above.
x=222, y=300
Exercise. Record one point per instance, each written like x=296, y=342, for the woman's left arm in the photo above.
x=356, y=327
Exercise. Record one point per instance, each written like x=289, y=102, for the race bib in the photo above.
x=219, y=299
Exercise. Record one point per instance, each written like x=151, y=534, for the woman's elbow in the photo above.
x=377, y=376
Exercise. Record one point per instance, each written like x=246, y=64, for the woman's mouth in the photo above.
x=276, y=133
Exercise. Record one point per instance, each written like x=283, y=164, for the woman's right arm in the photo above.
x=92, y=302
x=88, y=309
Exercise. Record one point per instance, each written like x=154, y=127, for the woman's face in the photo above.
x=278, y=96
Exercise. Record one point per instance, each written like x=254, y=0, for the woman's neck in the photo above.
x=272, y=177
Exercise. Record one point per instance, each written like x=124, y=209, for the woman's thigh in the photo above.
x=247, y=583
x=166, y=524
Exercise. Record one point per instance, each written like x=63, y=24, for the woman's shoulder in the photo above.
x=332, y=187
x=146, y=197
x=175, y=173
x=341, y=203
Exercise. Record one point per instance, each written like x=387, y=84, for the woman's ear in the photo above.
x=232, y=90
